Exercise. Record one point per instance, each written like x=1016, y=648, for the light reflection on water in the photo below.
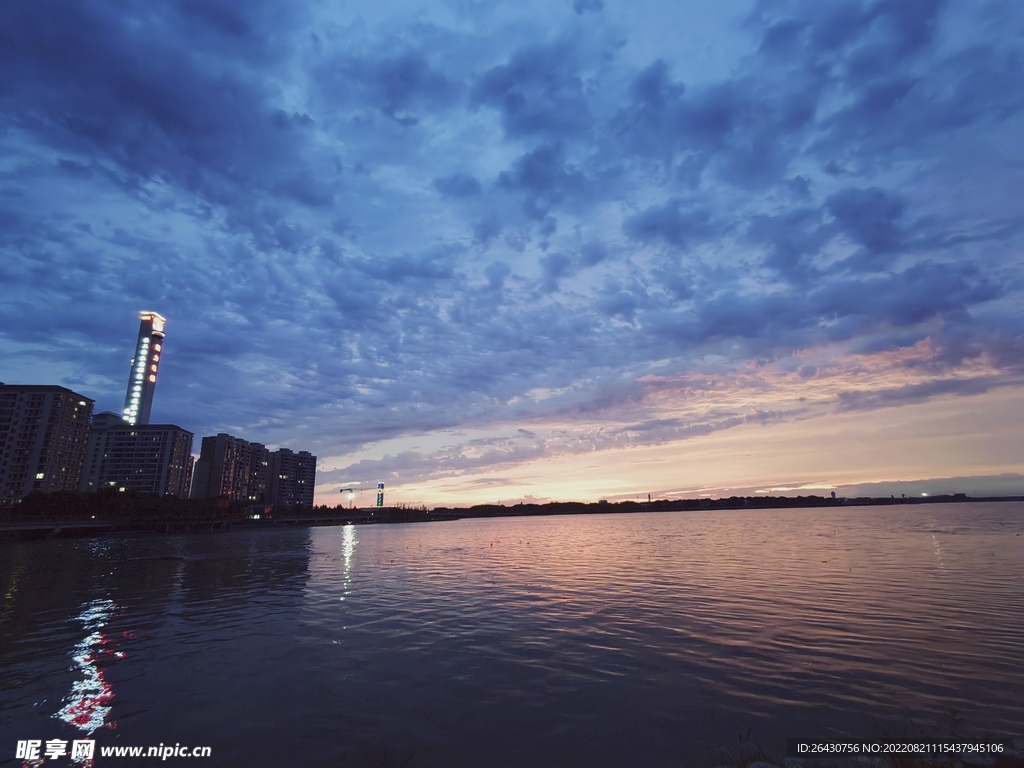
x=648, y=639
x=88, y=705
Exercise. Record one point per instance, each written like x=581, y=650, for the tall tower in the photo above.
x=138, y=400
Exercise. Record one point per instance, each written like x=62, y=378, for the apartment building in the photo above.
x=147, y=458
x=43, y=434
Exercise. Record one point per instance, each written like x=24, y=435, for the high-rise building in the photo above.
x=43, y=432
x=232, y=468
x=147, y=458
x=236, y=469
x=292, y=477
x=138, y=400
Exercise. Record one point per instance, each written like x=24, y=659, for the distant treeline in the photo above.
x=128, y=506
x=115, y=505
x=674, y=505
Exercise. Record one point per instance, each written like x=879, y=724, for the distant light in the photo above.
x=351, y=495
x=924, y=494
x=40, y=475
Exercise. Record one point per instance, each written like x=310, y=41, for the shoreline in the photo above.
x=152, y=516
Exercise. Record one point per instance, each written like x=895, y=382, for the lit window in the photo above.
x=152, y=378
x=155, y=358
x=153, y=368
x=40, y=475
x=156, y=347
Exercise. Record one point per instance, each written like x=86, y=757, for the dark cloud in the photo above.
x=587, y=6
x=91, y=79
x=670, y=222
x=487, y=228
x=538, y=92
x=543, y=173
x=554, y=266
x=435, y=265
x=870, y=217
x=496, y=272
x=621, y=301
x=912, y=296
x=793, y=239
x=457, y=185
x=912, y=393
x=398, y=85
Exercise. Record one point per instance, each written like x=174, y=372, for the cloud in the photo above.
x=457, y=185
x=538, y=92
x=396, y=85
x=587, y=6
x=365, y=231
x=912, y=393
x=869, y=216
x=671, y=223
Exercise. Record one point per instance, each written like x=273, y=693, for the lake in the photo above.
x=652, y=639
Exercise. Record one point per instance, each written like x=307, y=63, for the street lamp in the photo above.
x=351, y=495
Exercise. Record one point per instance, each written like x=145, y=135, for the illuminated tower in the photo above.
x=138, y=400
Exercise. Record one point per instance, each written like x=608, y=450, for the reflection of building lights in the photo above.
x=348, y=548
x=88, y=704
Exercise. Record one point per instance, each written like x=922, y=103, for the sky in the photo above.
x=562, y=250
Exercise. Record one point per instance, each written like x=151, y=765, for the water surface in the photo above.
x=656, y=639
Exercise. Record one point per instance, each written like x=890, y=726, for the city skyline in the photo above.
x=539, y=251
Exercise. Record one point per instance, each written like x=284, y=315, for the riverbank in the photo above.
x=67, y=515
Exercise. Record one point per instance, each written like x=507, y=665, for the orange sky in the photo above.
x=822, y=449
